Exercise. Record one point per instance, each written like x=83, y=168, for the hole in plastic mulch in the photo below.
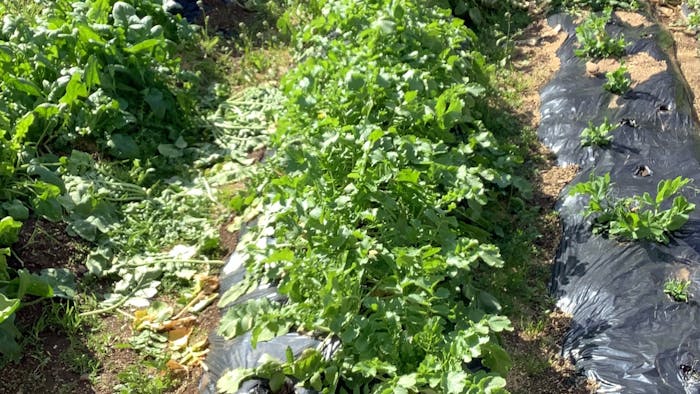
x=642, y=171
x=629, y=122
x=689, y=372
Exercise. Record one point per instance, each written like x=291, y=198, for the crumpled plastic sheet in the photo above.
x=626, y=333
x=225, y=355
x=187, y=8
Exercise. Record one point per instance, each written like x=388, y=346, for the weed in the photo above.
x=617, y=81
x=597, y=135
x=142, y=379
x=677, y=289
x=594, y=39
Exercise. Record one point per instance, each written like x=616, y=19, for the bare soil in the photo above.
x=641, y=66
x=685, y=46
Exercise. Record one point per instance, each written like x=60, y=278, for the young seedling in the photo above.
x=617, y=81
x=597, y=135
x=595, y=42
x=677, y=289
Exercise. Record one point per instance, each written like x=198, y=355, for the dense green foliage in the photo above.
x=382, y=202
x=101, y=129
x=637, y=217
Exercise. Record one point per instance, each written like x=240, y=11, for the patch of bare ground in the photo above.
x=685, y=45
x=538, y=366
x=633, y=19
x=641, y=66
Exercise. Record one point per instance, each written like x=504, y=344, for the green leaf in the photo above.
x=234, y=293
x=16, y=209
x=123, y=146
x=499, y=323
x=231, y=381
x=9, y=347
x=7, y=306
x=22, y=128
x=144, y=45
x=9, y=231
x=92, y=72
x=74, y=90
x=61, y=280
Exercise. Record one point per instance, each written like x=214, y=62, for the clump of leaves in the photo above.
x=693, y=17
x=597, y=135
x=379, y=132
x=636, y=217
x=594, y=39
x=598, y=5
x=617, y=81
x=677, y=289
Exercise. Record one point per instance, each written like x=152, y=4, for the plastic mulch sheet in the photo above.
x=626, y=333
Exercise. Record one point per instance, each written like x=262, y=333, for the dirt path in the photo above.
x=535, y=344
x=685, y=45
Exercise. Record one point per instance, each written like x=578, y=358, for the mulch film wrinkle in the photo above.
x=626, y=333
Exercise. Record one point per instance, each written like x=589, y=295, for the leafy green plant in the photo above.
x=379, y=133
x=617, y=81
x=594, y=40
x=677, y=289
x=597, y=135
x=599, y=5
x=636, y=217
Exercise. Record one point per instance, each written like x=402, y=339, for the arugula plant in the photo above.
x=594, y=40
x=637, y=217
x=617, y=81
x=677, y=289
x=597, y=135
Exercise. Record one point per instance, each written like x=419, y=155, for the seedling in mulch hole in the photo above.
x=677, y=289
x=637, y=217
x=618, y=82
x=595, y=41
x=597, y=135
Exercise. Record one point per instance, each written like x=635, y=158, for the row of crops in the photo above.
x=386, y=194
x=383, y=199
x=103, y=131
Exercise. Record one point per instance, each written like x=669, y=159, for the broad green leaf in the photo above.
x=9, y=347
x=92, y=72
x=144, y=45
x=22, y=128
x=8, y=306
x=234, y=293
x=61, y=281
x=9, y=231
x=123, y=146
x=16, y=209
x=231, y=381
x=74, y=90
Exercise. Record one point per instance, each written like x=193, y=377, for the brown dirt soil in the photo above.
x=535, y=57
x=641, y=67
x=633, y=19
x=43, y=244
x=538, y=365
x=42, y=369
x=685, y=46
